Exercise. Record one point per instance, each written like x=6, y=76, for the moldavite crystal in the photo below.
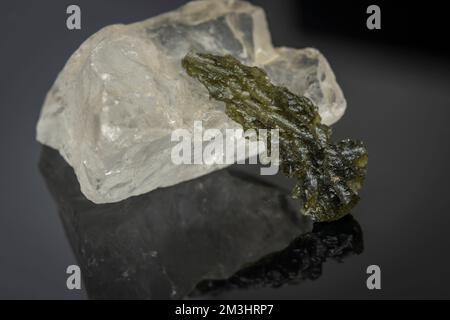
x=330, y=175
x=112, y=109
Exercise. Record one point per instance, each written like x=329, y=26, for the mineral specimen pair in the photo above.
x=114, y=106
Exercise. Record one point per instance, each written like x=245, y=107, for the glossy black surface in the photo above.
x=398, y=104
x=161, y=244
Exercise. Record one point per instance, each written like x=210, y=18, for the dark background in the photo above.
x=397, y=84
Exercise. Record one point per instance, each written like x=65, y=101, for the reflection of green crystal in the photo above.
x=330, y=175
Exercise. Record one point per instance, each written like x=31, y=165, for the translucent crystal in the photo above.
x=114, y=106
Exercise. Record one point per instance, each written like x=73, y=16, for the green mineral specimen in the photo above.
x=329, y=174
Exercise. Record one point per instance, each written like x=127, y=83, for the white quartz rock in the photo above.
x=113, y=107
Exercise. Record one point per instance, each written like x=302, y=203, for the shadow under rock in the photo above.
x=167, y=243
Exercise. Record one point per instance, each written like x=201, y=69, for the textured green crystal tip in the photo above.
x=329, y=174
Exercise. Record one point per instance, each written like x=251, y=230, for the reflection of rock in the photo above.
x=301, y=260
x=161, y=244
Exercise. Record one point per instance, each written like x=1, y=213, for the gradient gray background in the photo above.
x=398, y=103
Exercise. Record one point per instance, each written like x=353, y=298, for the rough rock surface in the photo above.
x=114, y=106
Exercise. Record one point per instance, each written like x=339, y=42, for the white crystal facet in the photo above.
x=112, y=109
